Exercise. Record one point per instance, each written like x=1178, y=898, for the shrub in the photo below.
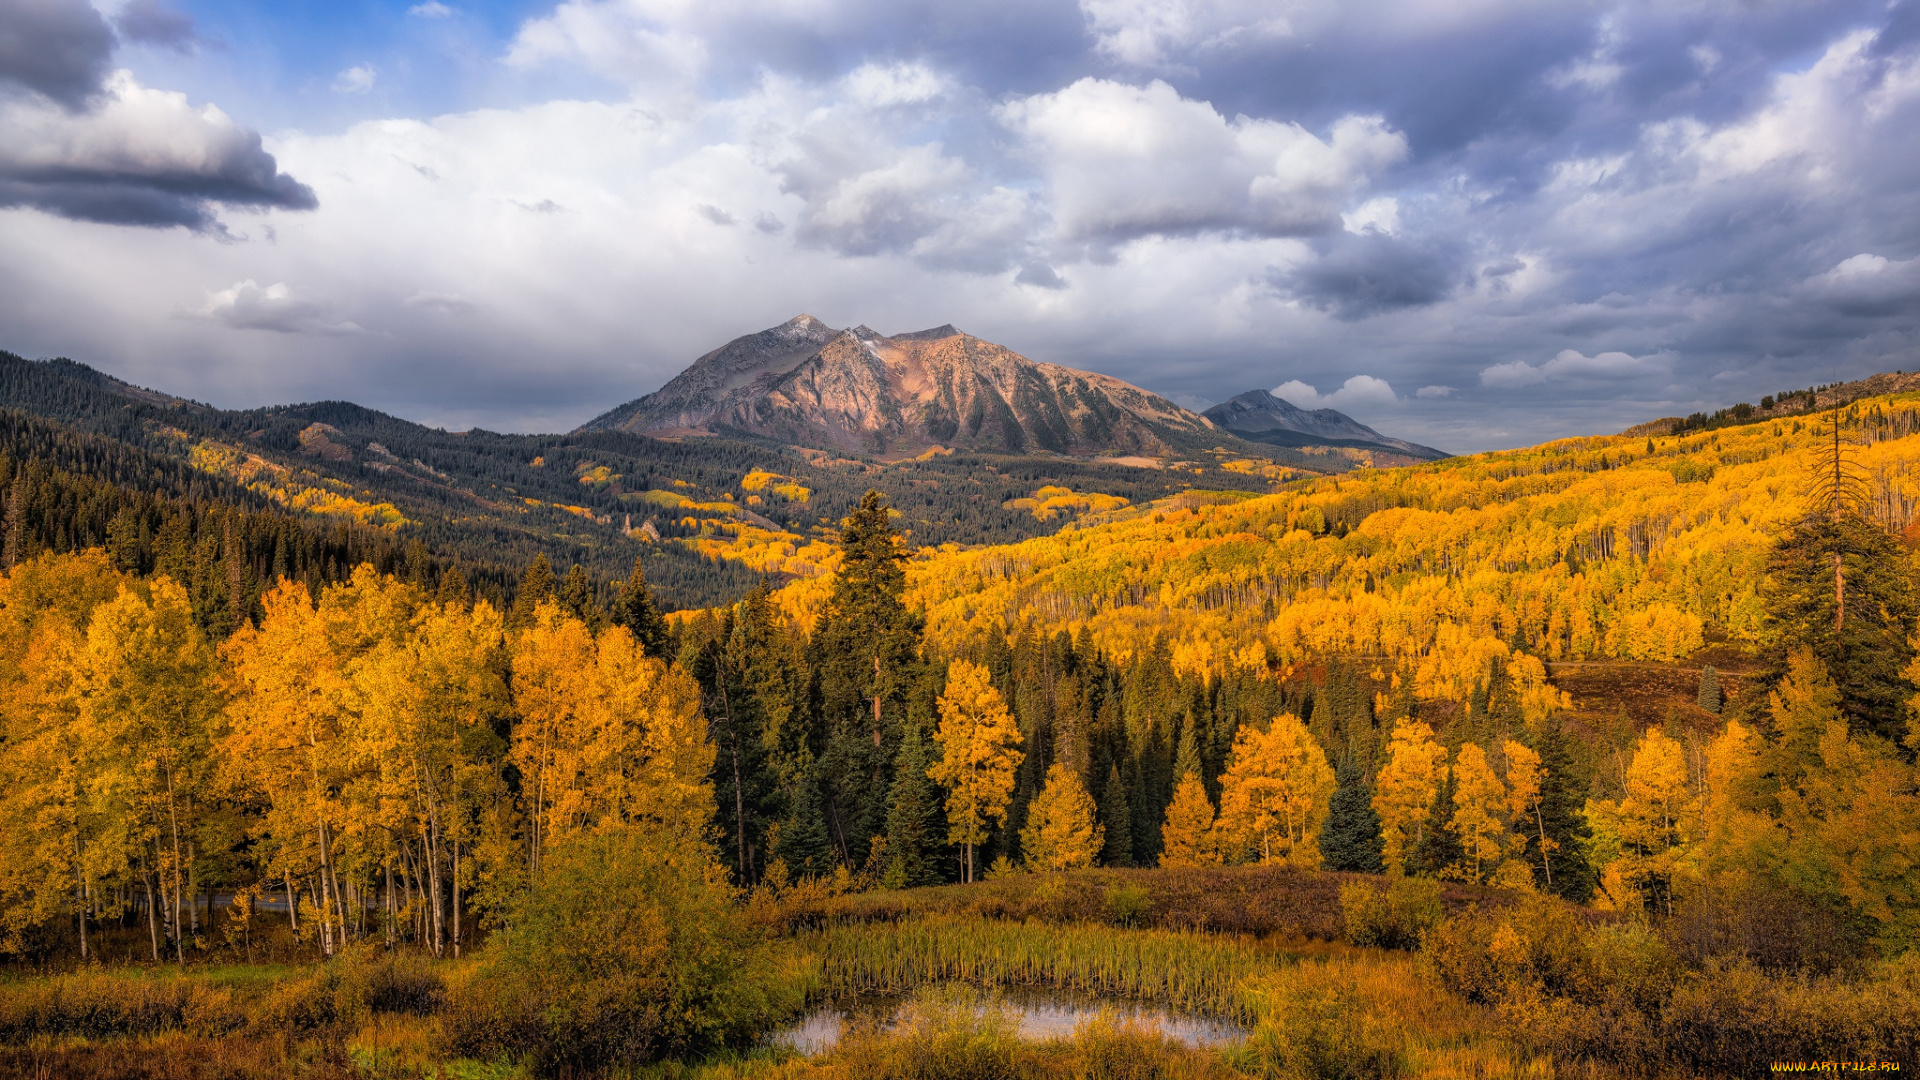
x=1311, y=1028
x=1396, y=916
x=1128, y=905
x=629, y=946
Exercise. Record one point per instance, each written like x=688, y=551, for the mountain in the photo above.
x=1260, y=417
x=857, y=391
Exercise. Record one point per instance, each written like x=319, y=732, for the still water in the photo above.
x=1040, y=1016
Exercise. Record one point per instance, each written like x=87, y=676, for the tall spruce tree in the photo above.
x=1561, y=820
x=802, y=841
x=1117, y=815
x=633, y=608
x=1439, y=849
x=866, y=655
x=1710, y=697
x=576, y=598
x=1351, y=838
x=916, y=829
x=536, y=587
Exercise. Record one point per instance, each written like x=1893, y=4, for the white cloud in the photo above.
x=1868, y=284
x=1573, y=364
x=880, y=86
x=355, y=80
x=245, y=305
x=432, y=9
x=1431, y=392
x=641, y=42
x=1358, y=392
x=1124, y=161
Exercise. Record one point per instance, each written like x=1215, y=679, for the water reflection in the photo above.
x=1040, y=1016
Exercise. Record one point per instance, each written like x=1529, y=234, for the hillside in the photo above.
x=859, y=392
x=710, y=517
x=1611, y=548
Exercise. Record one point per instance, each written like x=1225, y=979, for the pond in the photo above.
x=1040, y=1016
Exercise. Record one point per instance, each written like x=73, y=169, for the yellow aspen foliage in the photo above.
x=1061, y=833
x=1524, y=810
x=978, y=755
x=1730, y=762
x=285, y=741
x=606, y=734
x=1653, y=825
x=1479, y=813
x=1856, y=822
x=1187, y=837
x=1405, y=788
x=1273, y=797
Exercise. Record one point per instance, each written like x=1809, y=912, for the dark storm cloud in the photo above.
x=1356, y=275
x=60, y=48
x=102, y=148
x=151, y=22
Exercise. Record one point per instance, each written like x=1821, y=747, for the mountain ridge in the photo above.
x=859, y=391
x=1259, y=416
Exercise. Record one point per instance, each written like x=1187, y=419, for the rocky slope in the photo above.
x=1258, y=416
x=857, y=391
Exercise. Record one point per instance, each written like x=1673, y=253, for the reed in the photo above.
x=1191, y=972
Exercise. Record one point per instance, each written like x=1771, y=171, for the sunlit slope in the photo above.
x=1606, y=547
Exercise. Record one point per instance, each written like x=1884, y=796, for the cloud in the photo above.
x=151, y=22
x=1868, y=285
x=247, y=306
x=1358, y=275
x=59, y=48
x=1433, y=392
x=358, y=79
x=432, y=9
x=1358, y=392
x=1124, y=161
x=641, y=42
x=1572, y=364
x=142, y=157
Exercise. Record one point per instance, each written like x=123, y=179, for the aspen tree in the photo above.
x=1405, y=789
x=1653, y=823
x=1479, y=812
x=1524, y=805
x=1274, y=796
x=1061, y=833
x=979, y=757
x=1187, y=838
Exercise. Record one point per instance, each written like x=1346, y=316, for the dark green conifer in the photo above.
x=915, y=824
x=1116, y=815
x=1439, y=849
x=1562, y=819
x=1350, y=840
x=802, y=842
x=536, y=587
x=1710, y=697
x=633, y=608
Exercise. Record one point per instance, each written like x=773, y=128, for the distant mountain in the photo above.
x=857, y=391
x=1258, y=416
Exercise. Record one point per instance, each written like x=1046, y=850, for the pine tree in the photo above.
x=802, y=842
x=1351, y=839
x=536, y=588
x=866, y=653
x=1709, y=697
x=1116, y=815
x=576, y=598
x=1844, y=588
x=1559, y=817
x=914, y=840
x=1061, y=833
x=633, y=608
x=1438, y=848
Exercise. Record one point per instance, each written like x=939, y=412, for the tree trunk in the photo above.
x=293, y=906
x=153, y=923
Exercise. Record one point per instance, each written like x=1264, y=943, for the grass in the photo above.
x=1256, y=900
x=1184, y=970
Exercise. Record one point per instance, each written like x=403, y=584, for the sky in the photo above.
x=1477, y=224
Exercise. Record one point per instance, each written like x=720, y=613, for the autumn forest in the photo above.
x=1361, y=766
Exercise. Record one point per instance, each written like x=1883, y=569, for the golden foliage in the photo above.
x=1416, y=767
x=1187, y=837
x=1052, y=501
x=978, y=754
x=1061, y=833
x=1274, y=795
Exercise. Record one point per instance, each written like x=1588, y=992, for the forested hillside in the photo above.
x=709, y=516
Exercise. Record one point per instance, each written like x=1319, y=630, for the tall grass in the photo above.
x=1191, y=972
